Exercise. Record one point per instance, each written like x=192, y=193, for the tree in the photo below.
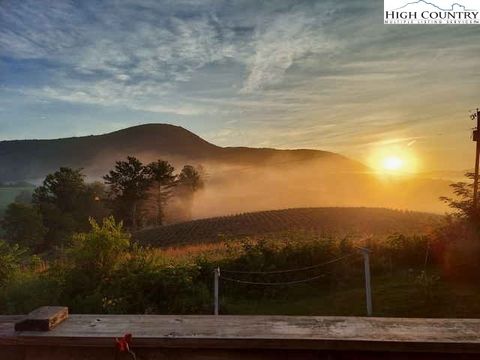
x=64, y=189
x=459, y=235
x=463, y=203
x=58, y=199
x=94, y=201
x=190, y=180
x=61, y=200
x=128, y=186
x=162, y=182
x=23, y=225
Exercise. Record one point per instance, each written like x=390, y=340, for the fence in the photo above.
x=218, y=275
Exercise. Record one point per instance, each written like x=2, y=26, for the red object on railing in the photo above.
x=123, y=344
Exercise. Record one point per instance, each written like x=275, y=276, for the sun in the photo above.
x=393, y=163
x=393, y=159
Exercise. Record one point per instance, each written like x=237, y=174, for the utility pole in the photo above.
x=476, y=138
x=216, y=278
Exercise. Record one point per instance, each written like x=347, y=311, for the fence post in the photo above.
x=216, y=276
x=368, y=285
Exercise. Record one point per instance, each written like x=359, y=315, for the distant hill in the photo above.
x=376, y=221
x=31, y=160
x=239, y=179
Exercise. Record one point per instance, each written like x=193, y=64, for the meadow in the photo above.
x=339, y=221
x=104, y=271
x=85, y=246
x=9, y=193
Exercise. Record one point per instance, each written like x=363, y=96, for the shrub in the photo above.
x=23, y=224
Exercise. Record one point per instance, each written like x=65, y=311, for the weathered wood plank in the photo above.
x=262, y=332
x=44, y=318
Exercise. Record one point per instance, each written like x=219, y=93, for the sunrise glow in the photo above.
x=387, y=159
x=393, y=163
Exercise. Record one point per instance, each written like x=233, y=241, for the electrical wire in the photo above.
x=272, y=283
x=289, y=270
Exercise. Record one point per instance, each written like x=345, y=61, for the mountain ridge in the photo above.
x=32, y=159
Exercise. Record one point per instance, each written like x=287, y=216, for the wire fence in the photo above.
x=218, y=275
x=289, y=270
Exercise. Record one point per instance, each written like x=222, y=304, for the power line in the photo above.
x=289, y=270
x=218, y=276
x=272, y=283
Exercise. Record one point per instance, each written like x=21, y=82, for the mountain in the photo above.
x=239, y=179
x=33, y=159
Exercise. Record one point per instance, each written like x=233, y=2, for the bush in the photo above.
x=23, y=224
x=90, y=262
x=457, y=248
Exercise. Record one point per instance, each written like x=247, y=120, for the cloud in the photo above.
x=279, y=41
x=318, y=74
x=101, y=58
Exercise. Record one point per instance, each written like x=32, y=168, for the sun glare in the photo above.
x=389, y=159
x=393, y=163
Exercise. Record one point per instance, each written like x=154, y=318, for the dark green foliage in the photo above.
x=30, y=289
x=10, y=260
x=139, y=194
x=66, y=203
x=63, y=189
x=128, y=186
x=23, y=225
x=91, y=260
x=103, y=273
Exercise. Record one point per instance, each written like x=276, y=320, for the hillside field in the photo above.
x=328, y=221
x=8, y=194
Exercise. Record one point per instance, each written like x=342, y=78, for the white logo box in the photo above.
x=432, y=12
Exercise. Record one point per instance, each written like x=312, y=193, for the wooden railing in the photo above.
x=235, y=337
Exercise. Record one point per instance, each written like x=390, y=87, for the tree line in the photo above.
x=137, y=194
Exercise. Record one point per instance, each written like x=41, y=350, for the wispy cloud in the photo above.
x=281, y=40
x=319, y=74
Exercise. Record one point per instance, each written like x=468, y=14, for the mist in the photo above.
x=233, y=189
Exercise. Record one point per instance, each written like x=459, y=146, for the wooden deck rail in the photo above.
x=244, y=337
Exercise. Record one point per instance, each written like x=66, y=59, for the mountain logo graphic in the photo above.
x=452, y=7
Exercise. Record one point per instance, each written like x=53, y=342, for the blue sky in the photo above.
x=287, y=74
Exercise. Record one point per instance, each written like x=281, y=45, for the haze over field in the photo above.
x=237, y=179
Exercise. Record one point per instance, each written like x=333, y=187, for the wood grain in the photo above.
x=257, y=332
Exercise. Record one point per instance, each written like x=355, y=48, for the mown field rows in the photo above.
x=334, y=221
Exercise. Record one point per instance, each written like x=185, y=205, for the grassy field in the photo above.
x=8, y=194
x=333, y=221
x=394, y=295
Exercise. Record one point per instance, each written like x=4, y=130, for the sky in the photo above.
x=286, y=74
